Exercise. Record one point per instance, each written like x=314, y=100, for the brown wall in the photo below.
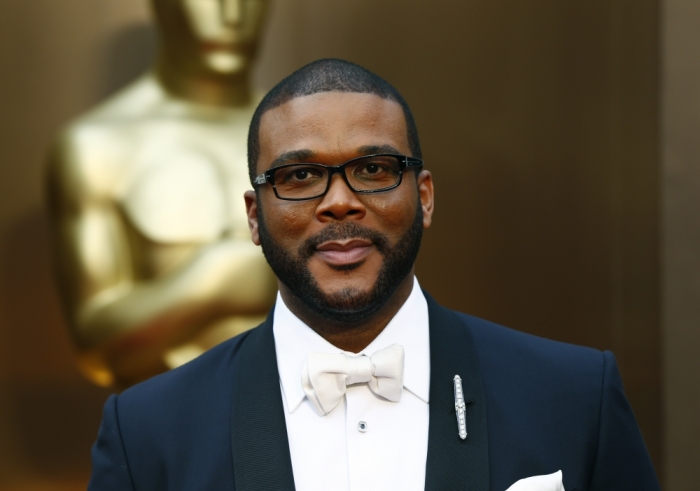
x=681, y=242
x=54, y=60
x=538, y=119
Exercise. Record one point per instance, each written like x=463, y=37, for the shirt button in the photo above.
x=361, y=426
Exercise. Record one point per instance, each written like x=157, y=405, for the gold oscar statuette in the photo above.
x=151, y=244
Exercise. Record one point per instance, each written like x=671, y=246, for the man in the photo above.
x=358, y=379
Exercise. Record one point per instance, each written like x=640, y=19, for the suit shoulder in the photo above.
x=490, y=334
x=515, y=353
x=199, y=380
x=177, y=422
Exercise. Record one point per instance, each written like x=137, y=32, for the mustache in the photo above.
x=344, y=231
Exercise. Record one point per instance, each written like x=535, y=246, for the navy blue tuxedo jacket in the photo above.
x=534, y=407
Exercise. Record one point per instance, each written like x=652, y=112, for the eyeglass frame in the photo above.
x=405, y=162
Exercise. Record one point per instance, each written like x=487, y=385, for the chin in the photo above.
x=346, y=291
x=356, y=277
x=347, y=305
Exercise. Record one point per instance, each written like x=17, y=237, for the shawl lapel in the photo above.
x=452, y=463
x=260, y=449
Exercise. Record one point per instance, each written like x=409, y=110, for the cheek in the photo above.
x=395, y=212
x=287, y=221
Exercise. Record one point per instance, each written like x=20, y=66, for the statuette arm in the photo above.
x=123, y=324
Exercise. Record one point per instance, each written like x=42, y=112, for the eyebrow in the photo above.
x=306, y=155
x=375, y=149
x=293, y=156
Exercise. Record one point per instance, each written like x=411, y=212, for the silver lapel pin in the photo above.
x=460, y=408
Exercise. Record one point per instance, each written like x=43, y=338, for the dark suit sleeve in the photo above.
x=622, y=460
x=110, y=469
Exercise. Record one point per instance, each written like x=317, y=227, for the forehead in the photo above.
x=332, y=126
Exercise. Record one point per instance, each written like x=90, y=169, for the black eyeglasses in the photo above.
x=366, y=174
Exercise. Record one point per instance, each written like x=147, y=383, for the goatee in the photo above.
x=349, y=305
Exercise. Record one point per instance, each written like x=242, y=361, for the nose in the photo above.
x=340, y=203
x=231, y=11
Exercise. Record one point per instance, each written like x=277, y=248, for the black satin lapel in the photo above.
x=455, y=464
x=259, y=444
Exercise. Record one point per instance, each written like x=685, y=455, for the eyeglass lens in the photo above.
x=365, y=174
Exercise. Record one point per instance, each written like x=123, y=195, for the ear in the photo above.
x=427, y=196
x=251, y=207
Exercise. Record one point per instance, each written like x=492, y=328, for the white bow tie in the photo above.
x=326, y=375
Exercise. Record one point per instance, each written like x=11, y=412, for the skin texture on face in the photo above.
x=349, y=304
x=345, y=260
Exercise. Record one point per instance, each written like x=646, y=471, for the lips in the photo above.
x=344, y=252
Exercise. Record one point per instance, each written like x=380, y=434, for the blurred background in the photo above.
x=564, y=138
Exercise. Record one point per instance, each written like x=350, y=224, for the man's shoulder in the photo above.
x=490, y=335
x=560, y=405
x=178, y=419
x=509, y=354
x=205, y=380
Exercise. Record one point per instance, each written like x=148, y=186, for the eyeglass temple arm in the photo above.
x=413, y=162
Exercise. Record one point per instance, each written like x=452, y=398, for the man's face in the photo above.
x=223, y=33
x=343, y=254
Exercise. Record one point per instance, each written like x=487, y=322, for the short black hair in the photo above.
x=327, y=75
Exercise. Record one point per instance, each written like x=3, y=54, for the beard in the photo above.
x=349, y=305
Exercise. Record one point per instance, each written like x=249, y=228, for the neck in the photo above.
x=356, y=336
x=205, y=87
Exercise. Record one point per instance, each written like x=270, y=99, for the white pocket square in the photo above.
x=550, y=482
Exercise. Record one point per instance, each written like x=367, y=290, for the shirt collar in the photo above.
x=294, y=340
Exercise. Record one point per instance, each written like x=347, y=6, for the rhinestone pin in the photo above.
x=460, y=408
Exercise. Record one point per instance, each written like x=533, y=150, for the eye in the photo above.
x=300, y=175
x=297, y=175
x=373, y=169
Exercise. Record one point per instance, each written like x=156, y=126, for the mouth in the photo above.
x=340, y=253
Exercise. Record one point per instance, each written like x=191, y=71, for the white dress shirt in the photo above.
x=366, y=442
